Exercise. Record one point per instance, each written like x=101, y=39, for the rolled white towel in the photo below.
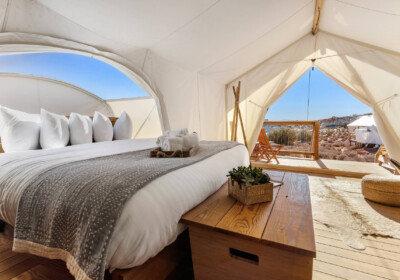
x=177, y=132
x=172, y=144
x=160, y=140
x=191, y=140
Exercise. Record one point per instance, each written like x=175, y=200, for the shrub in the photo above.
x=369, y=158
x=304, y=135
x=285, y=136
x=341, y=157
x=329, y=132
x=337, y=144
x=360, y=158
x=352, y=154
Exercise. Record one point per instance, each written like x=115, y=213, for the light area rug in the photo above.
x=339, y=204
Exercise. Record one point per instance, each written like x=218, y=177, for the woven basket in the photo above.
x=251, y=195
x=157, y=153
x=382, y=189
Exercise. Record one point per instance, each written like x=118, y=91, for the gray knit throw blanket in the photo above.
x=69, y=212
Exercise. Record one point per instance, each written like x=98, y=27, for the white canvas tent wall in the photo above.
x=186, y=53
x=29, y=93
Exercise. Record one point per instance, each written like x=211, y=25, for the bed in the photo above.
x=150, y=218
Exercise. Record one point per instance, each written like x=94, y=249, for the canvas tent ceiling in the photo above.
x=186, y=52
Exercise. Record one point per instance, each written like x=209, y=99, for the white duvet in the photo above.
x=149, y=221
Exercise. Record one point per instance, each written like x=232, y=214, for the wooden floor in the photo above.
x=335, y=260
x=23, y=267
x=354, y=169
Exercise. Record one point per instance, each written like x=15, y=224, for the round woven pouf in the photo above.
x=382, y=189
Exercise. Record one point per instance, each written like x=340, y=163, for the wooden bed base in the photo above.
x=170, y=263
x=174, y=262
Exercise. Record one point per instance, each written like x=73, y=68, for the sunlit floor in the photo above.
x=354, y=169
x=335, y=260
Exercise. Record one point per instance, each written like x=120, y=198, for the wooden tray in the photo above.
x=157, y=153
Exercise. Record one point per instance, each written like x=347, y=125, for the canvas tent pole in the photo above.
x=234, y=116
x=237, y=116
x=240, y=118
x=317, y=16
x=237, y=97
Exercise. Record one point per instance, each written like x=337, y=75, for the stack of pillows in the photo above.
x=180, y=139
x=20, y=131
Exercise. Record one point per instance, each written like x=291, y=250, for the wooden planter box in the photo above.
x=251, y=195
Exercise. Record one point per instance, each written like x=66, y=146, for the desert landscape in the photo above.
x=334, y=140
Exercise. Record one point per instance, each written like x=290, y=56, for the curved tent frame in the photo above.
x=19, y=43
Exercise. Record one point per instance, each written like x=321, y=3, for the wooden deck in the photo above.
x=335, y=260
x=343, y=168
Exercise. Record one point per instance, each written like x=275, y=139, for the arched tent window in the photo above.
x=88, y=73
x=65, y=82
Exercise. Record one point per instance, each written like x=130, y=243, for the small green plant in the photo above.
x=248, y=176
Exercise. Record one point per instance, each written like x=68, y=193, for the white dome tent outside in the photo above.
x=188, y=54
x=364, y=129
x=364, y=121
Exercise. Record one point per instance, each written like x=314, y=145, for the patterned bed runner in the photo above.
x=69, y=212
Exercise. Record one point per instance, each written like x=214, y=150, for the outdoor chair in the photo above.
x=264, y=149
x=382, y=156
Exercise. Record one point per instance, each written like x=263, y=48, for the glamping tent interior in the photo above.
x=124, y=188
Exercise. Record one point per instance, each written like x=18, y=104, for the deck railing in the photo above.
x=314, y=146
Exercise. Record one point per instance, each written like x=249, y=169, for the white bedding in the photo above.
x=149, y=221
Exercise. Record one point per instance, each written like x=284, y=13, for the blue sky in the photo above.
x=88, y=73
x=327, y=99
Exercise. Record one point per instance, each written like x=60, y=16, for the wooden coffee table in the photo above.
x=273, y=240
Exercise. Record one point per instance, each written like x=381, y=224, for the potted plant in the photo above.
x=249, y=185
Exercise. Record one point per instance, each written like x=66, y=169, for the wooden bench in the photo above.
x=273, y=240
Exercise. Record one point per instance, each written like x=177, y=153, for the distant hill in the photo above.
x=324, y=123
x=338, y=121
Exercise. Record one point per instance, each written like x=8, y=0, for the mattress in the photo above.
x=150, y=219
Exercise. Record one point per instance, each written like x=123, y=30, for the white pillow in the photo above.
x=54, y=132
x=80, y=129
x=102, y=128
x=123, y=127
x=19, y=130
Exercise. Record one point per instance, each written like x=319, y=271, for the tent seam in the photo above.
x=198, y=102
x=82, y=26
x=5, y=19
x=368, y=9
x=373, y=47
x=186, y=24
